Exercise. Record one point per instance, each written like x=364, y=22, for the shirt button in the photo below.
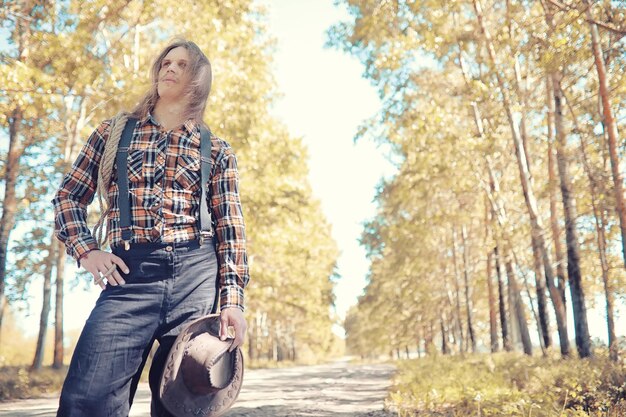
x=158, y=184
x=168, y=248
x=156, y=203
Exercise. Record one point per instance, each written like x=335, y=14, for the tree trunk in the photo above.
x=429, y=339
x=518, y=307
x=504, y=326
x=553, y=185
x=493, y=321
x=599, y=210
x=454, y=320
x=22, y=36
x=59, y=350
x=45, y=308
x=608, y=290
x=583, y=340
x=274, y=344
x=529, y=196
x=252, y=340
x=543, y=320
x=532, y=305
x=9, y=202
x=610, y=125
x=418, y=337
x=444, y=336
x=556, y=291
x=468, y=290
x=457, y=288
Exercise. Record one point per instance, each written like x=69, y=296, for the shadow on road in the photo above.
x=337, y=389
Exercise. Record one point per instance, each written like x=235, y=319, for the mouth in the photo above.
x=168, y=79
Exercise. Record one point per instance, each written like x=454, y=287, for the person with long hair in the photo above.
x=164, y=270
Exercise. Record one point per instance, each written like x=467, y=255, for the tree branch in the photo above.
x=566, y=7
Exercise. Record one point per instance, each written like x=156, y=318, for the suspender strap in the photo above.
x=122, y=180
x=205, y=156
x=205, y=226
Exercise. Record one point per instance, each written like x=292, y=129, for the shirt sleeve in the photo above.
x=76, y=193
x=226, y=208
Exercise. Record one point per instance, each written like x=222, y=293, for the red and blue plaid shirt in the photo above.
x=164, y=187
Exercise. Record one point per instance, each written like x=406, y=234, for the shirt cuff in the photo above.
x=231, y=296
x=82, y=256
x=80, y=248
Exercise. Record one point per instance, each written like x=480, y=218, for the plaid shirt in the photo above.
x=164, y=187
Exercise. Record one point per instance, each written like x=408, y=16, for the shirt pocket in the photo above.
x=135, y=165
x=187, y=176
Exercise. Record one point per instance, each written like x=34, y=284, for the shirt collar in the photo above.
x=189, y=125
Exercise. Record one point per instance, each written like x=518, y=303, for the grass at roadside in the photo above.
x=18, y=382
x=508, y=384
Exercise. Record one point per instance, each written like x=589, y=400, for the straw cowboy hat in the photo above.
x=200, y=377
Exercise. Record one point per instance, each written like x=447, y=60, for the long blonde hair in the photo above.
x=197, y=92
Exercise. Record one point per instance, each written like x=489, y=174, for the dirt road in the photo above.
x=337, y=389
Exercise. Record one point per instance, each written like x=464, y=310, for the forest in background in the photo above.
x=507, y=210
x=504, y=117
x=67, y=66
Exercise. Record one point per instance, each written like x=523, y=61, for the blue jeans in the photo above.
x=168, y=285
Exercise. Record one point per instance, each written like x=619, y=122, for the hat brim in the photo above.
x=175, y=395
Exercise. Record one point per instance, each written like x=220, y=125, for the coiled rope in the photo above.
x=105, y=175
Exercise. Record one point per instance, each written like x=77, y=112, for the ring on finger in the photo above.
x=110, y=270
x=106, y=274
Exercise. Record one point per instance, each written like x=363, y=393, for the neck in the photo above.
x=169, y=113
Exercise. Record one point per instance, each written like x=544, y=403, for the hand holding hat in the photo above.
x=202, y=374
x=233, y=316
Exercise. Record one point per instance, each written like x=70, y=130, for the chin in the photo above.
x=164, y=93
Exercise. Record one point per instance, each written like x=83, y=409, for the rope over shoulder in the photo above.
x=105, y=175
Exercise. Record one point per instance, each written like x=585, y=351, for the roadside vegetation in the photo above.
x=509, y=384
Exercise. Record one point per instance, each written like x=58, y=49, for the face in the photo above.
x=173, y=74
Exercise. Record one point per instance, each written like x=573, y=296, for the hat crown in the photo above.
x=206, y=365
x=200, y=376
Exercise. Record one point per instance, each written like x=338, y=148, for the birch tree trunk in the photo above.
x=493, y=321
x=59, y=350
x=45, y=307
x=557, y=293
x=454, y=319
x=468, y=289
x=543, y=319
x=529, y=196
x=610, y=125
x=457, y=288
x=599, y=210
x=583, y=340
x=9, y=202
x=504, y=326
x=518, y=307
x=444, y=336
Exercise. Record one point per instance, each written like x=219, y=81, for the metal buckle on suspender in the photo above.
x=201, y=240
x=126, y=245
